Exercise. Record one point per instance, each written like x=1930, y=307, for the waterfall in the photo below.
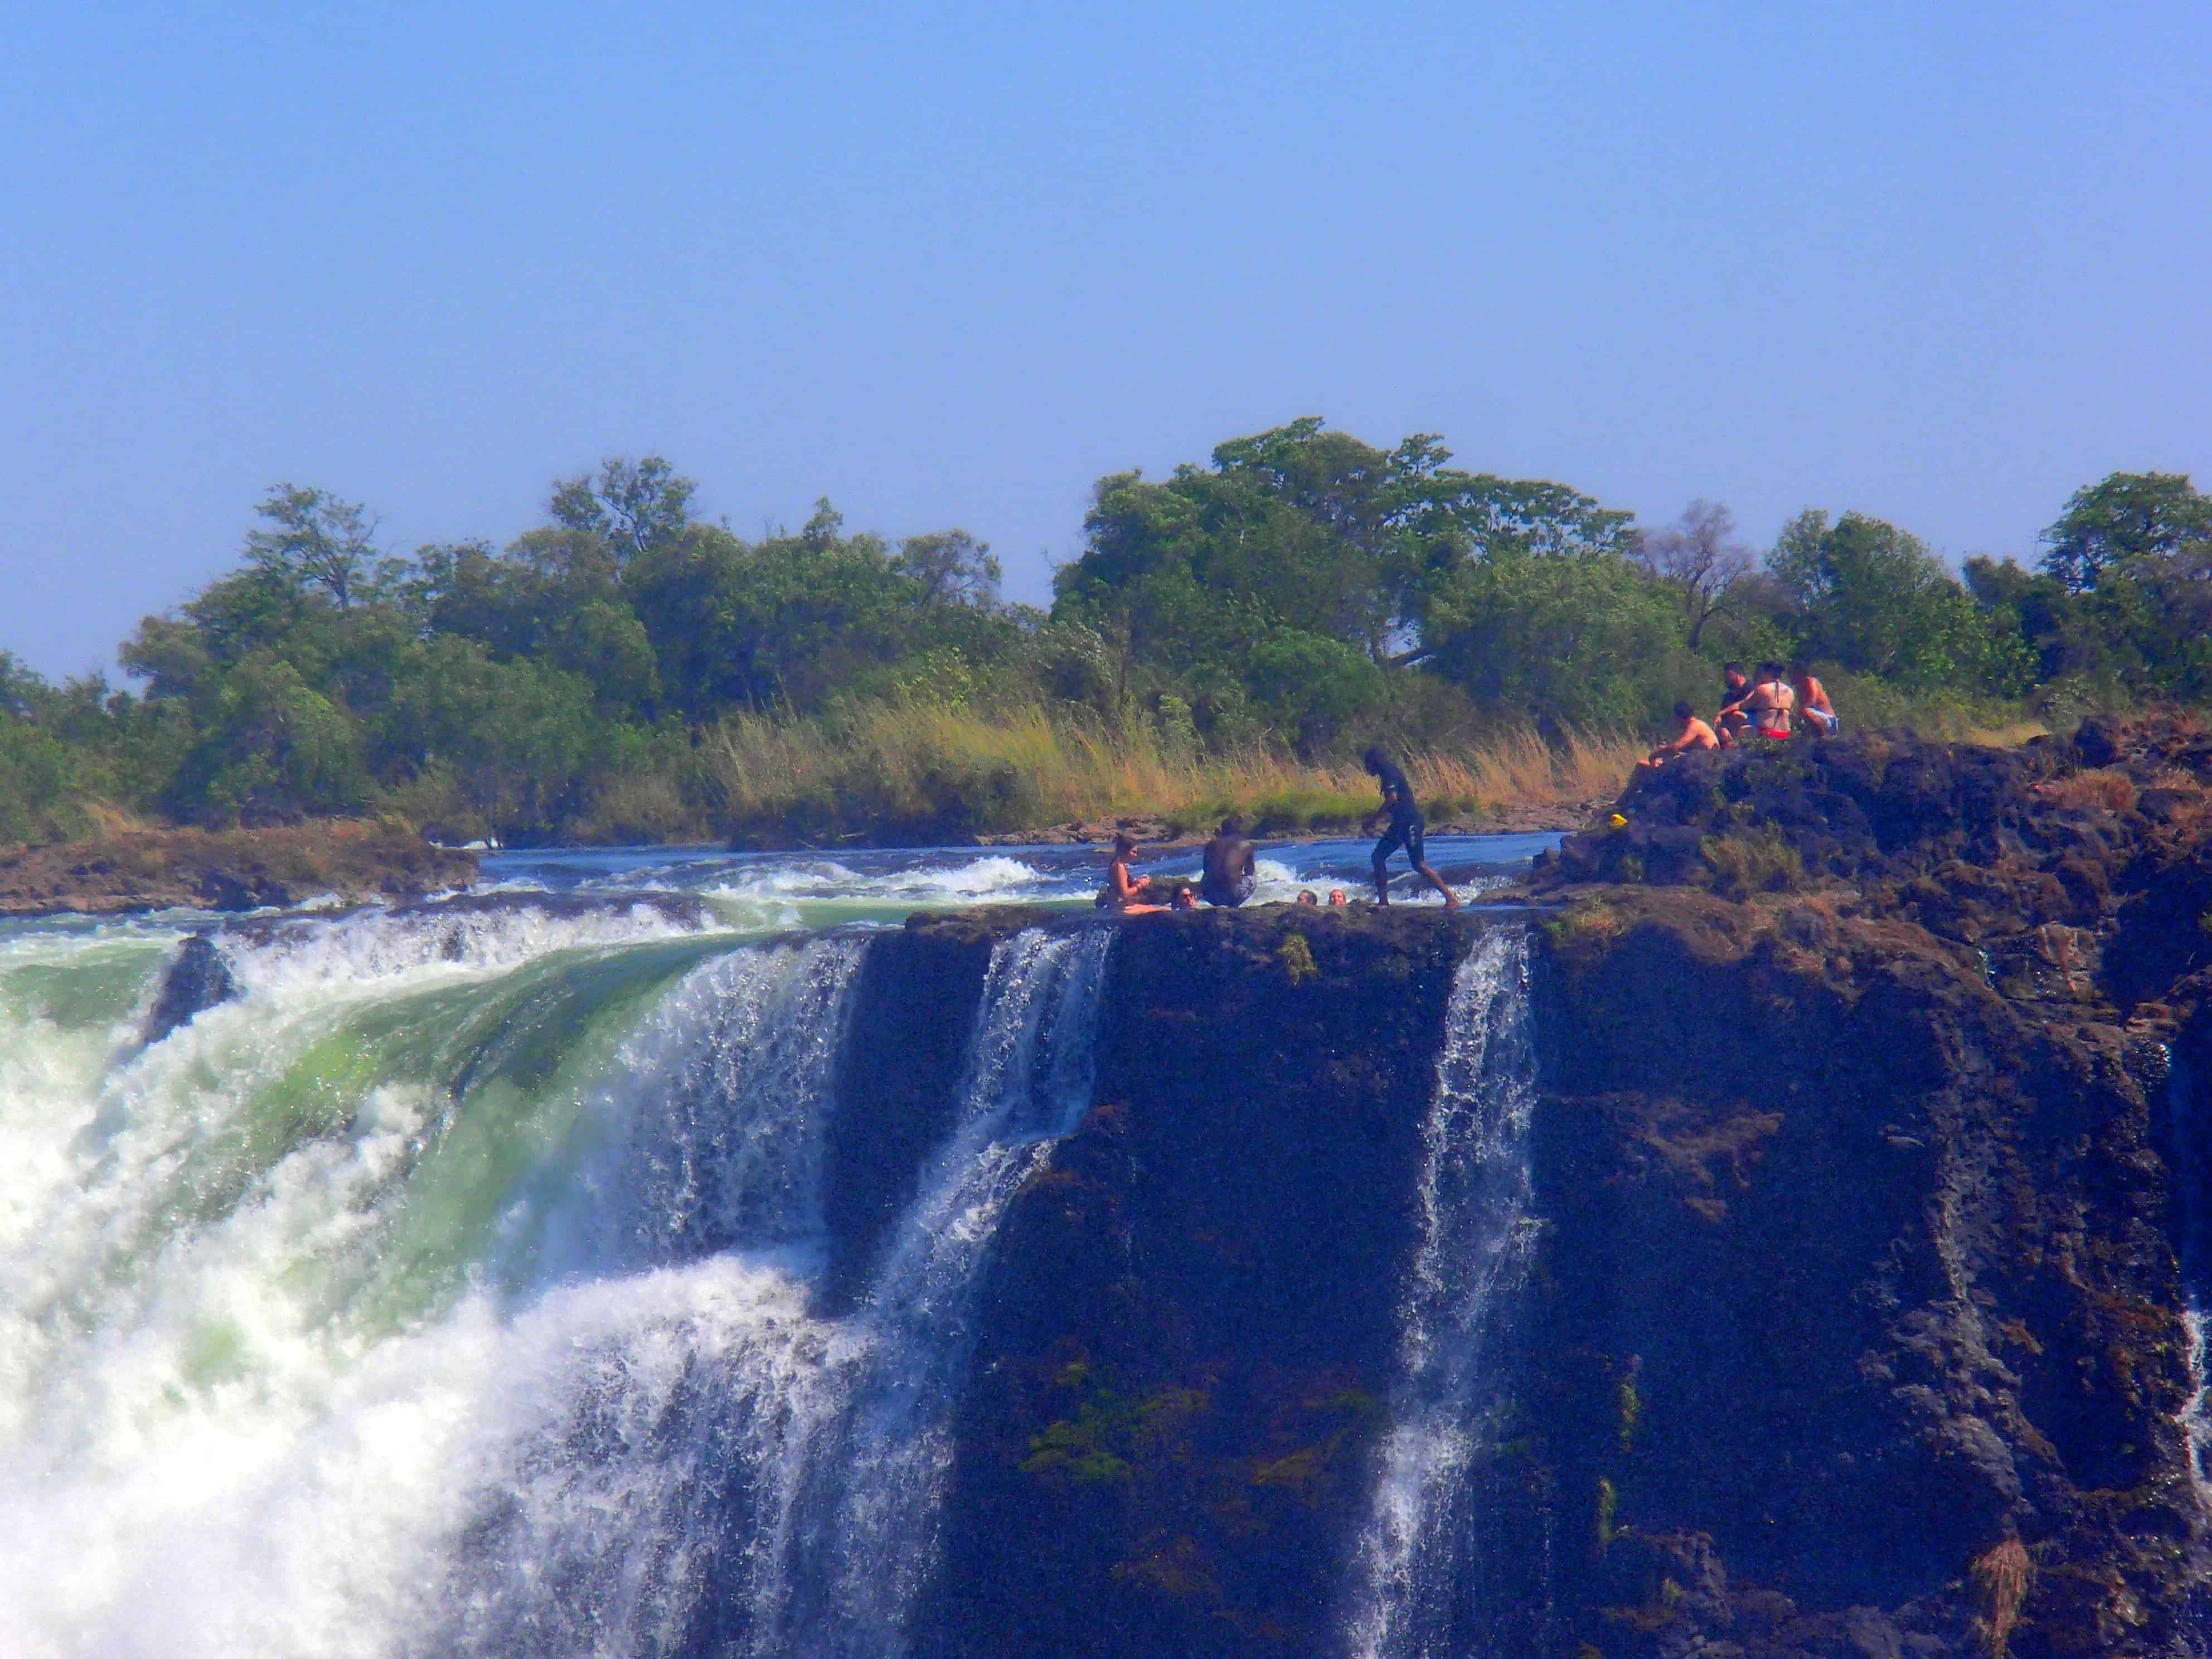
x=648, y=1480
x=2192, y=1175
x=727, y=1473
x=876, y=1468
x=449, y=1288
x=1477, y=1224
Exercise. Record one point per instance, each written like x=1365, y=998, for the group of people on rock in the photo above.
x=1756, y=707
x=1230, y=874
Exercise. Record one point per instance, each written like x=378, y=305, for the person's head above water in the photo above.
x=1184, y=899
x=1336, y=896
x=1305, y=896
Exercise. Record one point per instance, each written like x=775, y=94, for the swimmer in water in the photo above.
x=1232, y=869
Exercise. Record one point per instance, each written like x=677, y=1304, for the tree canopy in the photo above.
x=1304, y=591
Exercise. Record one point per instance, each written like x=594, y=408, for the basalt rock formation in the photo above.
x=1861, y=1324
x=1869, y=1174
x=281, y=864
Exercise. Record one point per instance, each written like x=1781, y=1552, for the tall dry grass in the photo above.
x=916, y=771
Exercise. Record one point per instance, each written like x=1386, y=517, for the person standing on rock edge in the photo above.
x=1232, y=869
x=1406, y=831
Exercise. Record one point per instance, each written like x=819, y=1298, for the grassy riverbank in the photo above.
x=923, y=773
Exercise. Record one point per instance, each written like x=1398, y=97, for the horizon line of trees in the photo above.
x=1305, y=591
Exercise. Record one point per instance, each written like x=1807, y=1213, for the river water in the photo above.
x=449, y=1288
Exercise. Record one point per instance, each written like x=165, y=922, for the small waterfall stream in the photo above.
x=1408, y=1590
x=876, y=1469
x=2192, y=1140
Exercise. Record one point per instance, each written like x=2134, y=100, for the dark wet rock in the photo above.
x=1189, y=1336
x=1860, y=1269
x=228, y=870
x=197, y=979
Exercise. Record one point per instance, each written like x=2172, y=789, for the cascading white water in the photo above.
x=746, y=1478
x=2197, y=1410
x=2192, y=1175
x=439, y=1298
x=1477, y=1224
x=268, y=1305
x=876, y=1468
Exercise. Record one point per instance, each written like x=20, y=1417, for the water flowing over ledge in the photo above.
x=1476, y=1228
x=583, y=1273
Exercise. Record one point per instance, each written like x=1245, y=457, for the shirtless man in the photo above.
x=1231, y=866
x=1819, y=714
x=1694, y=734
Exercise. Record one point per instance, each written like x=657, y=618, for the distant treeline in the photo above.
x=613, y=673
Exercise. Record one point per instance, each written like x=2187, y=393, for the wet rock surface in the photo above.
x=1866, y=1275
x=1855, y=1322
x=230, y=870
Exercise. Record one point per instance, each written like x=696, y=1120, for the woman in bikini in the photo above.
x=1122, y=891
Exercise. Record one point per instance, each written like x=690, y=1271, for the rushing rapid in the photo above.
x=447, y=1287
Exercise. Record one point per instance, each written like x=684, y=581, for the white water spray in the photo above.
x=1477, y=1225
x=290, y=1317
x=877, y=1468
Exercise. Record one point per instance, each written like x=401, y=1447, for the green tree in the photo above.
x=517, y=737
x=630, y=507
x=270, y=749
x=318, y=542
x=2126, y=517
x=1873, y=600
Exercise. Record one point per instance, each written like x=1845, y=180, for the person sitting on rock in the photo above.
x=1819, y=714
x=1122, y=891
x=1771, y=700
x=1231, y=866
x=1732, y=723
x=1694, y=734
x=1406, y=831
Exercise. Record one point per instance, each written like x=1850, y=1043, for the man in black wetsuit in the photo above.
x=1231, y=868
x=1406, y=829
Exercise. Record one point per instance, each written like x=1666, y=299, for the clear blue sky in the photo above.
x=1941, y=263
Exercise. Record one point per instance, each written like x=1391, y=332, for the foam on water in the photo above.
x=213, y=1439
x=240, y=1414
x=361, y=950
